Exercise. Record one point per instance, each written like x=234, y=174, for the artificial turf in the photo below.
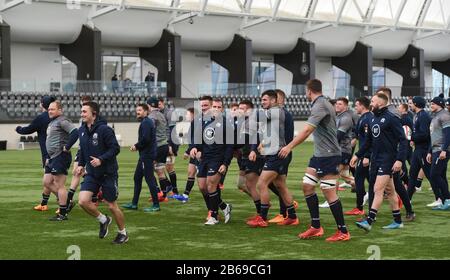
x=178, y=232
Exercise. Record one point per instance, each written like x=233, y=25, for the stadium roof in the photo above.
x=388, y=25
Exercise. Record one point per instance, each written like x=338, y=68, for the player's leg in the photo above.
x=288, y=200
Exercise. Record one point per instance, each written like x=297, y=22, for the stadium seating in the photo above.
x=24, y=106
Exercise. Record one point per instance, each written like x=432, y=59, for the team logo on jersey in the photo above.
x=383, y=120
x=209, y=133
x=376, y=130
x=95, y=139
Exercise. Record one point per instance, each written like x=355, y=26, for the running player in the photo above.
x=323, y=166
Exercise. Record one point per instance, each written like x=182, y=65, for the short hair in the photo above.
x=247, y=103
x=144, y=106
x=95, y=108
x=387, y=91
x=234, y=105
x=58, y=104
x=404, y=106
x=343, y=99
x=270, y=93
x=217, y=100
x=280, y=92
x=382, y=96
x=206, y=97
x=161, y=99
x=364, y=101
x=314, y=85
x=191, y=110
x=86, y=98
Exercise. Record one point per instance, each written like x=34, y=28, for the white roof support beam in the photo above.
x=183, y=17
x=12, y=4
x=275, y=9
x=203, y=5
x=242, y=7
x=248, y=6
x=374, y=31
x=253, y=23
x=105, y=10
x=423, y=12
x=399, y=13
x=340, y=11
x=426, y=35
x=317, y=27
x=361, y=14
x=311, y=8
x=448, y=23
x=370, y=11
x=247, y=24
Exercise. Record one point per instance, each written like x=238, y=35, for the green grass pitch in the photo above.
x=177, y=232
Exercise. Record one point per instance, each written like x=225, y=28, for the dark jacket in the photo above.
x=421, y=130
x=362, y=130
x=146, y=144
x=100, y=142
x=39, y=125
x=212, y=131
x=387, y=139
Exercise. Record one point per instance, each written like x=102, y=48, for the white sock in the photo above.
x=123, y=231
x=185, y=195
x=101, y=218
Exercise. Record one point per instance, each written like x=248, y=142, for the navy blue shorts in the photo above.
x=325, y=165
x=161, y=154
x=279, y=165
x=194, y=161
x=174, y=148
x=377, y=169
x=59, y=165
x=345, y=159
x=107, y=183
x=241, y=164
x=253, y=166
x=208, y=168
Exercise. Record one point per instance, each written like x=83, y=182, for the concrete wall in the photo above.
x=324, y=72
x=394, y=81
x=196, y=72
x=284, y=79
x=34, y=66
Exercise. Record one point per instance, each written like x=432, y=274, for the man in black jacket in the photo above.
x=39, y=125
x=146, y=146
x=389, y=148
x=98, y=155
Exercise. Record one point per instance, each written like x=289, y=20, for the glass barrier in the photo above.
x=119, y=86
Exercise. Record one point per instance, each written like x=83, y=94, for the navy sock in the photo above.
x=214, y=203
x=283, y=207
x=173, y=181
x=258, y=206
x=291, y=212
x=313, y=206
x=419, y=182
x=264, y=211
x=205, y=197
x=336, y=209
x=70, y=194
x=189, y=185
x=45, y=198
x=397, y=216
x=372, y=216
x=63, y=210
